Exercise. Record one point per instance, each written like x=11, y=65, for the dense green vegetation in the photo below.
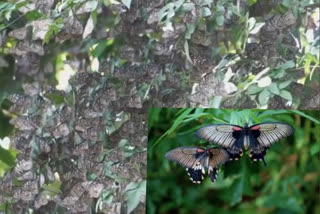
x=288, y=184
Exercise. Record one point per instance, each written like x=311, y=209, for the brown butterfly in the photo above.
x=198, y=160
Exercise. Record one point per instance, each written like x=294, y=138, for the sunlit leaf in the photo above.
x=264, y=97
x=219, y=20
x=251, y=2
x=52, y=189
x=206, y=12
x=274, y=89
x=8, y=156
x=88, y=28
x=256, y=28
x=251, y=23
x=134, y=192
x=253, y=89
x=286, y=65
x=286, y=95
x=187, y=7
x=186, y=49
x=284, y=84
x=127, y=3
x=190, y=29
x=264, y=82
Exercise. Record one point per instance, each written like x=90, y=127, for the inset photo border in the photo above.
x=232, y=161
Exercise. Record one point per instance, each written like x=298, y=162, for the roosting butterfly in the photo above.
x=198, y=160
x=257, y=138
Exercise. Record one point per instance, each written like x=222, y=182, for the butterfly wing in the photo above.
x=263, y=135
x=197, y=160
x=228, y=136
x=194, y=159
x=217, y=158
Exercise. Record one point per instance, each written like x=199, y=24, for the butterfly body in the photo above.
x=257, y=138
x=198, y=160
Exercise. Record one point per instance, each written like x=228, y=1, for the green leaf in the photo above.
x=206, y=3
x=127, y=3
x=8, y=156
x=190, y=29
x=280, y=200
x=252, y=2
x=33, y=15
x=253, y=89
x=264, y=97
x=7, y=160
x=273, y=88
x=92, y=5
x=196, y=116
x=264, y=82
x=251, y=23
x=284, y=84
x=278, y=74
x=216, y=102
x=101, y=47
x=52, y=189
x=186, y=49
x=186, y=7
x=314, y=149
x=176, y=123
x=237, y=189
x=166, y=11
x=169, y=10
x=56, y=98
x=241, y=185
x=286, y=65
x=133, y=193
x=178, y=4
x=220, y=20
x=269, y=113
x=3, y=5
x=205, y=12
x=301, y=113
x=54, y=29
x=286, y=95
x=123, y=142
x=257, y=28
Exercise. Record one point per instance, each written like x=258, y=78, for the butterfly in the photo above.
x=198, y=160
x=258, y=138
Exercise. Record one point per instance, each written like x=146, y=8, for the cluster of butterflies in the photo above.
x=231, y=140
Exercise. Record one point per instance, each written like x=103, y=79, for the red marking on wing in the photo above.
x=200, y=150
x=235, y=128
x=255, y=128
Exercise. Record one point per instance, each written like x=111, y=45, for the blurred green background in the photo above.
x=289, y=183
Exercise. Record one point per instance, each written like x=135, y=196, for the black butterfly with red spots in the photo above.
x=258, y=138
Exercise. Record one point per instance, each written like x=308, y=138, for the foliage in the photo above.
x=245, y=38
x=277, y=58
x=7, y=156
x=54, y=132
x=135, y=193
x=286, y=185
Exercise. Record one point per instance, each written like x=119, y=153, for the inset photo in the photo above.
x=232, y=161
